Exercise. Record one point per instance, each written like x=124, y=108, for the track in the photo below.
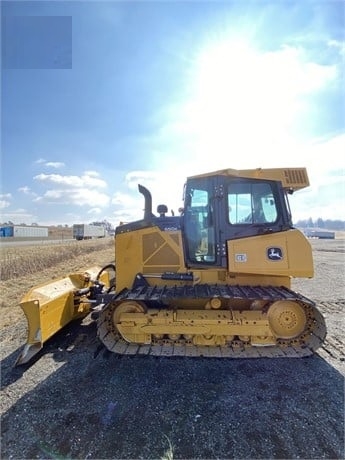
x=304, y=345
x=333, y=346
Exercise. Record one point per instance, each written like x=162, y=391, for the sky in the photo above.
x=97, y=97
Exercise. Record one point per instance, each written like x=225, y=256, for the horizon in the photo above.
x=98, y=97
x=302, y=223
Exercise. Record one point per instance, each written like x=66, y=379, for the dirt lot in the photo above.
x=79, y=402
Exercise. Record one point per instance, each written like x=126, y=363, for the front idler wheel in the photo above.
x=287, y=319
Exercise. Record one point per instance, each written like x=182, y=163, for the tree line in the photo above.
x=306, y=223
x=321, y=223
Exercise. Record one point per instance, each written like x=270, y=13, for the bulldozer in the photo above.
x=213, y=281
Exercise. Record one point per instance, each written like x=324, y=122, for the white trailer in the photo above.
x=30, y=232
x=86, y=232
x=320, y=234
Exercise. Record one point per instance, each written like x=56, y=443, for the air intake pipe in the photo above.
x=148, y=203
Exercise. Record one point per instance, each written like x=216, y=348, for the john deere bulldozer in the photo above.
x=213, y=281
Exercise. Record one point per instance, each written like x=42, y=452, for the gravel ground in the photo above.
x=78, y=401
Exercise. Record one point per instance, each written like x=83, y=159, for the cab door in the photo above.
x=201, y=223
x=221, y=208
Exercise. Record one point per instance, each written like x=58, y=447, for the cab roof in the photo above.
x=292, y=179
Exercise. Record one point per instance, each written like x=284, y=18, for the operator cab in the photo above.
x=220, y=208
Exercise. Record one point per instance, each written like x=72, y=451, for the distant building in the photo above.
x=320, y=234
x=18, y=231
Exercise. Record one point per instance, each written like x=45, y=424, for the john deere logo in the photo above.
x=274, y=253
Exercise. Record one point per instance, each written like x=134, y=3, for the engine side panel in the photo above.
x=148, y=251
x=286, y=253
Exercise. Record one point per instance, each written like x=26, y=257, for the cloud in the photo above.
x=338, y=45
x=123, y=199
x=94, y=211
x=134, y=178
x=76, y=196
x=19, y=216
x=4, y=200
x=50, y=164
x=162, y=184
x=4, y=204
x=325, y=197
x=92, y=173
x=27, y=191
x=127, y=207
x=55, y=164
x=83, y=190
x=85, y=180
x=124, y=216
x=324, y=156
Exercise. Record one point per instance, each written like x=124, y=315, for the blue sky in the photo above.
x=100, y=96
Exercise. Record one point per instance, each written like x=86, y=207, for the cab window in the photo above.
x=199, y=227
x=251, y=203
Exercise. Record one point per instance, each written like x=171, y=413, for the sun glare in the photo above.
x=243, y=99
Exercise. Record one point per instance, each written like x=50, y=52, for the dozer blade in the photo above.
x=50, y=306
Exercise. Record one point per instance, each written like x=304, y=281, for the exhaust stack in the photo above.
x=148, y=203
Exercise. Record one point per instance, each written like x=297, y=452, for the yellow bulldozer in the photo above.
x=213, y=281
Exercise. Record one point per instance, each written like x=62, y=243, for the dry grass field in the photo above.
x=23, y=267
x=77, y=401
x=18, y=261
